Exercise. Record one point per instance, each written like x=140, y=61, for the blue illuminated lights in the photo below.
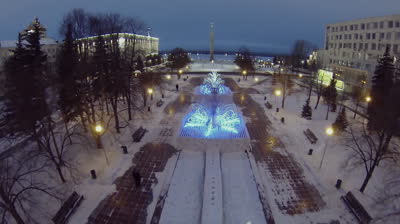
x=224, y=123
x=214, y=116
x=213, y=84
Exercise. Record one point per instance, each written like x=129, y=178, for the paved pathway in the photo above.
x=129, y=204
x=292, y=193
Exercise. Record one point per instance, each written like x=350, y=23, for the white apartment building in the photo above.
x=352, y=48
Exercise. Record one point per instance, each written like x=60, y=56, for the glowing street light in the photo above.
x=168, y=76
x=368, y=99
x=180, y=71
x=301, y=75
x=98, y=129
x=277, y=93
x=244, y=72
x=150, y=91
x=328, y=131
x=256, y=79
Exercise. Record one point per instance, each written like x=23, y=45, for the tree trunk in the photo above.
x=67, y=131
x=355, y=111
x=367, y=178
x=327, y=112
x=107, y=109
x=11, y=208
x=318, y=98
x=114, y=104
x=83, y=122
x=60, y=173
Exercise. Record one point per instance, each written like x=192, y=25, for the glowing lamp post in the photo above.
x=256, y=79
x=277, y=93
x=168, y=77
x=300, y=75
x=150, y=91
x=329, y=131
x=98, y=129
x=368, y=99
x=244, y=73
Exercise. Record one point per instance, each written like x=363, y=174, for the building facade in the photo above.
x=353, y=48
x=144, y=46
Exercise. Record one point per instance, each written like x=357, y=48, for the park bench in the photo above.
x=311, y=136
x=138, y=134
x=67, y=208
x=159, y=103
x=268, y=105
x=356, y=208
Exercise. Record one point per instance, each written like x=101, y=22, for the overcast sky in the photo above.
x=261, y=25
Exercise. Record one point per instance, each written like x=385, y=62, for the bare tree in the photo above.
x=21, y=186
x=369, y=148
x=78, y=18
x=54, y=142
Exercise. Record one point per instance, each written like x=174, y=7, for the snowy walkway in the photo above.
x=241, y=199
x=184, y=200
x=130, y=204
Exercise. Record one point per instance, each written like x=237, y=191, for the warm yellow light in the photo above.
x=98, y=128
x=256, y=79
x=278, y=92
x=329, y=131
x=187, y=67
x=168, y=76
x=180, y=71
x=300, y=75
x=281, y=69
x=150, y=91
x=244, y=72
x=368, y=99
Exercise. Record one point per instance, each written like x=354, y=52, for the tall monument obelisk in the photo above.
x=212, y=42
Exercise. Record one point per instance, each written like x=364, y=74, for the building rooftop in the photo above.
x=366, y=18
x=12, y=43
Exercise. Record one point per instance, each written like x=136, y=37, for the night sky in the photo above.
x=261, y=25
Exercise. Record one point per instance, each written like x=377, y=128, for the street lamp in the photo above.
x=99, y=130
x=244, y=73
x=301, y=75
x=168, y=76
x=150, y=91
x=329, y=131
x=368, y=99
x=256, y=79
x=277, y=93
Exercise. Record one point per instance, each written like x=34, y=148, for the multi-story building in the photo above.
x=144, y=45
x=353, y=48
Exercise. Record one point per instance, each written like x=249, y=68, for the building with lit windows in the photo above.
x=352, y=48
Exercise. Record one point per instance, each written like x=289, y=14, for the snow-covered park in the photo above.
x=265, y=176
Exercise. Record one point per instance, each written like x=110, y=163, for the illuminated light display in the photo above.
x=213, y=119
x=213, y=84
x=224, y=123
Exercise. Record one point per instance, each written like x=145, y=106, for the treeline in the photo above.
x=93, y=83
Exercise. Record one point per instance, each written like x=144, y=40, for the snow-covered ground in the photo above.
x=185, y=194
x=241, y=199
x=241, y=203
